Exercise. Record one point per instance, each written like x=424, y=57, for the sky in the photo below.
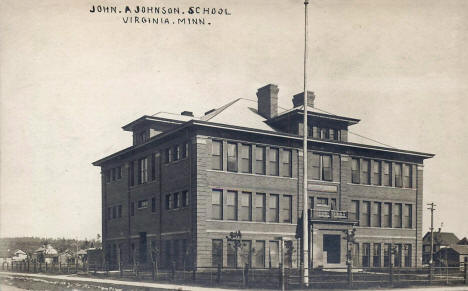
x=69, y=79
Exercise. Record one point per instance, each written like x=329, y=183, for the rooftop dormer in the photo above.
x=321, y=125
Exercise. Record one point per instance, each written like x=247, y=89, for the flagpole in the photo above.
x=305, y=221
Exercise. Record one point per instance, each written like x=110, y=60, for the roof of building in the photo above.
x=460, y=249
x=241, y=114
x=441, y=238
x=47, y=250
x=463, y=241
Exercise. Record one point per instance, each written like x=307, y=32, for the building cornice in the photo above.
x=207, y=124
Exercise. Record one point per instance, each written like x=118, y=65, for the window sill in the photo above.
x=177, y=209
x=175, y=162
x=249, y=222
x=381, y=186
x=250, y=174
x=384, y=228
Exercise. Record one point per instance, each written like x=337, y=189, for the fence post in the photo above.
x=173, y=271
x=391, y=273
x=350, y=275
x=218, y=274
x=281, y=276
x=466, y=271
x=431, y=271
x=46, y=267
x=153, y=271
x=194, y=274
x=246, y=276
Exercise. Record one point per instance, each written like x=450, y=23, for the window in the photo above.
x=153, y=204
x=217, y=204
x=132, y=209
x=355, y=171
x=109, y=213
x=376, y=253
x=355, y=255
x=365, y=214
x=143, y=204
x=260, y=160
x=217, y=155
x=398, y=254
x=107, y=176
x=153, y=167
x=311, y=202
x=387, y=215
x=259, y=260
x=377, y=170
x=245, y=206
x=114, y=212
x=131, y=174
x=246, y=253
x=333, y=204
x=319, y=167
x=231, y=205
x=408, y=216
x=286, y=209
x=246, y=158
x=176, y=200
x=407, y=176
x=354, y=214
x=397, y=216
x=274, y=254
x=167, y=155
x=286, y=169
x=185, y=198
x=387, y=174
x=119, y=211
x=273, y=205
x=176, y=153
x=313, y=166
x=232, y=157
x=113, y=174
x=260, y=207
x=376, y=212
x=168, y=201
x=366, y=172
x=387, y=254
x=366, y=254
x=408, y=254
x=119, y=172
x=326, y=168
x=231, y=254
x=217, y=252
x=143, y=171
x=184, y=150
x=322, y=201
x=324, y=133
x=274, y=161
x=398, y=176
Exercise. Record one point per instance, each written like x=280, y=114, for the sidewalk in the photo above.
x=170, y=287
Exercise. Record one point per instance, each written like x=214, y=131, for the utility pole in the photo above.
x=431, y=208
x=305, y=224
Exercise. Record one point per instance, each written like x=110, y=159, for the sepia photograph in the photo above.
x=233, y=145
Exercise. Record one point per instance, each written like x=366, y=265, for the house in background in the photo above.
x=66, y=257
x=5, y=256
x=452, y=256
x=46, y=254
x=19, y=256
x=463, y=241
x=441, y=240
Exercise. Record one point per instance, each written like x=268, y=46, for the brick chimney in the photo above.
x=268, y=101
x=298, y=99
